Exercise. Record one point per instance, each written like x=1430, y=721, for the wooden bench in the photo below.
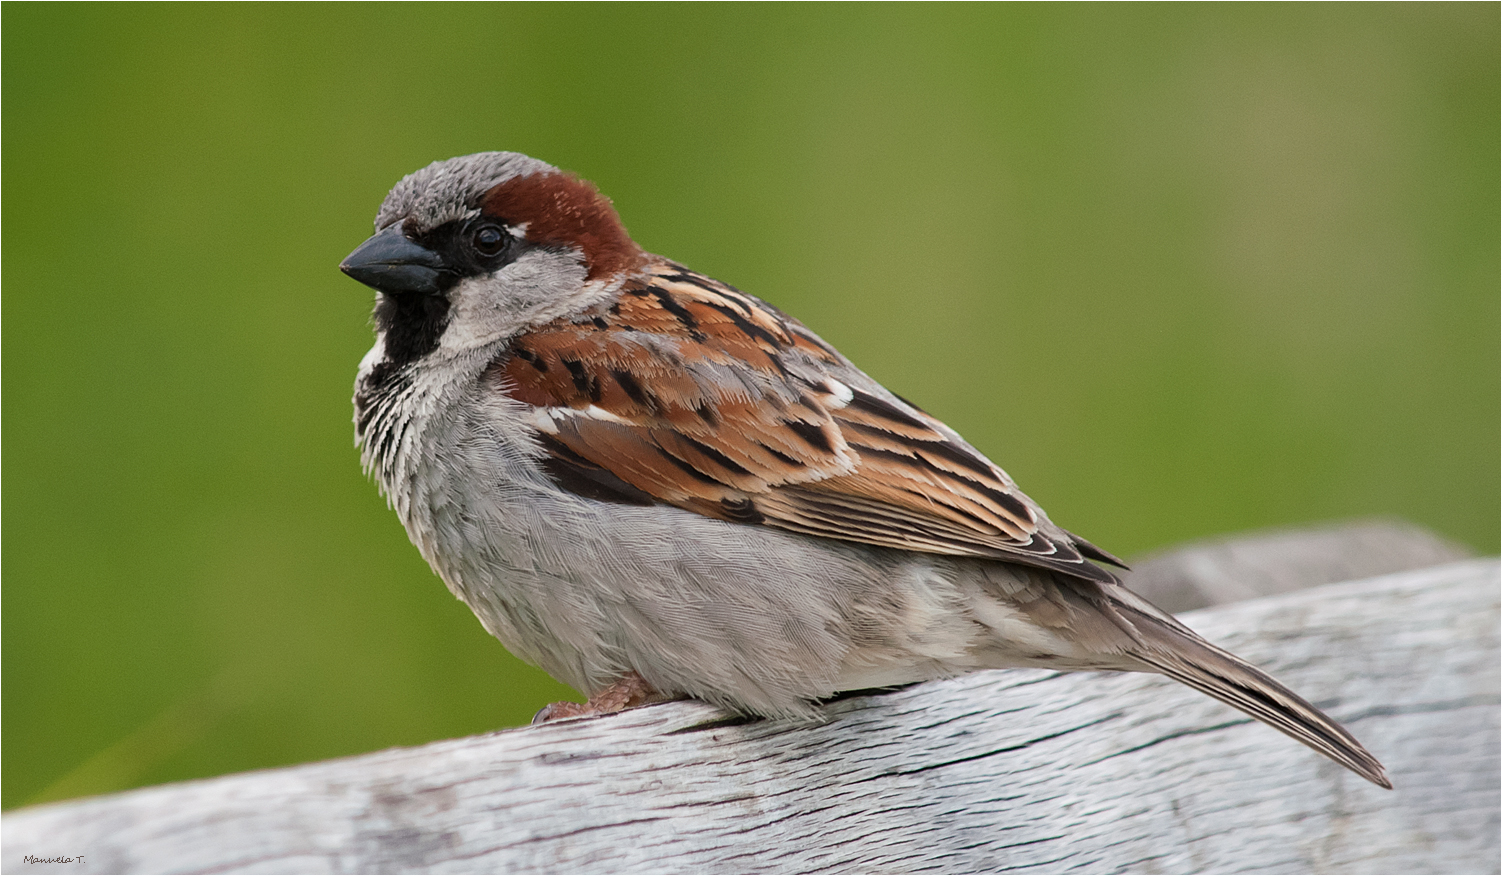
x=995, y=771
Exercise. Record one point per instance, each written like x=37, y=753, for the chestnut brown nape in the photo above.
x=559, y=208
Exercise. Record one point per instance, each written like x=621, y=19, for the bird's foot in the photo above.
x=630, y=690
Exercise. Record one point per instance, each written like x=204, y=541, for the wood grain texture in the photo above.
x=1011, y=770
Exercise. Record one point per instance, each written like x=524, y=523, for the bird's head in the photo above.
x=483, y=247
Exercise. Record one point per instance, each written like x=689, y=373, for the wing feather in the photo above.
x=689, y=392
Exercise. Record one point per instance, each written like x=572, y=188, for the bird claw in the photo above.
x=629, y=691
x=565, y=709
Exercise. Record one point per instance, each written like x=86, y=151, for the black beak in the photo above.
x=391, y=262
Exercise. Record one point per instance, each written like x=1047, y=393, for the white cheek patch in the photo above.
x=536, y=288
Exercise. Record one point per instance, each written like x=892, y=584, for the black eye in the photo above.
x=488, y=240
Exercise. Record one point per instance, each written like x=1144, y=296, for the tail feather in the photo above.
x=1171, y=648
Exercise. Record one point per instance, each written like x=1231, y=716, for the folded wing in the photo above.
x=688, y=392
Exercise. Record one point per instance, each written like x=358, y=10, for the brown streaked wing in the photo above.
x=691, y=393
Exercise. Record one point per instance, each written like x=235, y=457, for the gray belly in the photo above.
x=737, y=614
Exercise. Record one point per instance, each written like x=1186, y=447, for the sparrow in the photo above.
x=655, y=486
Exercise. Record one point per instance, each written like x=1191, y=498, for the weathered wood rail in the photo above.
x=997, y=771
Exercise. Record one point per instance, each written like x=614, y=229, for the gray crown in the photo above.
x=448, y=190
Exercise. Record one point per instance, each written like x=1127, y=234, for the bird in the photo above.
x=656, y=486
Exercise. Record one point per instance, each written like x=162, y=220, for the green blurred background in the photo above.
x=1183, y=270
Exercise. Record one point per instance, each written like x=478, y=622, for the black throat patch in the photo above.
x=411, y=324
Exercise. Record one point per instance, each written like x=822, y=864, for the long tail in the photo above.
x=1179, y=653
